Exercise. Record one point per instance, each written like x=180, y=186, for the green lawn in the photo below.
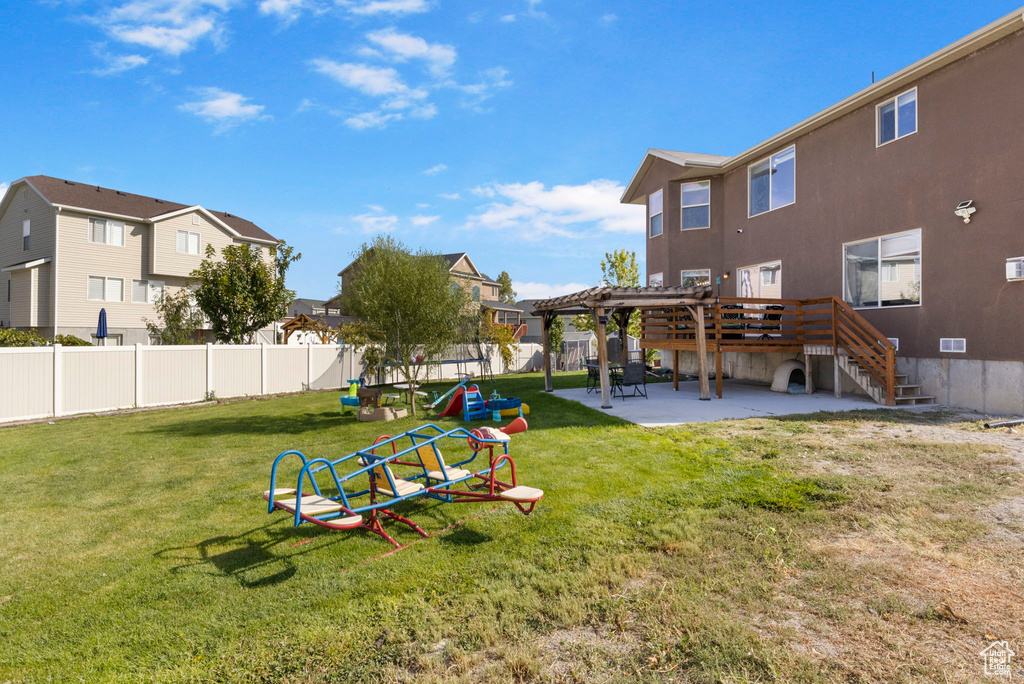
x=137, y=548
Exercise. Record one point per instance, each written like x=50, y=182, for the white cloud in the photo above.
x=545, y=290
x=571, y=211
x=434, y=170
x=609, y=18
x=507, y=18
x=402, y=46
x=420, y=221
x=533, y=9
x=3, y=189
x=169, y=26
x=450, y=196
x=370, y=7
x=371, y=120
x=226, y=109
x=116, y=64
x=285, y=10
x=365, y=78
x=374, y=221
x=477, y=93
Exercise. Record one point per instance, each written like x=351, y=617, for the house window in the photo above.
x=147, y=291
x=760, y=281
x=697, y=278
x=476, y=293
x=318, y=311
x=26, y=231
x=188, y=242
x=106, y=232
x=695, y=203
x=883, y=271
x=772, y=182
x=897, y=117
x=105, y=289
x=108, y=341
x=654, y=213
x=655, y=280
x=953, y=345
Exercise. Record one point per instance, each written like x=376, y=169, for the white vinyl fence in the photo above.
x=42, y=382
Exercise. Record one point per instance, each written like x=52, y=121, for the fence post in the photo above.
x=263, y=367
x=138, y=374
x=209, y=369
x=309, y=366
x=58, y=381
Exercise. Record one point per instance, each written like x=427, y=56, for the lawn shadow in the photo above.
x=289, y=424
x=893, y=416
x=464, y=536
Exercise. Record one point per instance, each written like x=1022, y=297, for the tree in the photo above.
x=556, y=333
x=506, y=295
x=407, y=310
x=500, y=336
x=618, y=269
x=179, y=320
x=241, y=293
x=21, y=338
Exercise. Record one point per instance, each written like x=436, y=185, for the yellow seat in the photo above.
x=312, y=505
x=453, y=474
x=347, y=522
x=522, y=493
x=404, y=487
x=278, y=492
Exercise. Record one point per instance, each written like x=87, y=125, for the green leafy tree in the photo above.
x=618, y=269
x=556, y=333
x=506, y=294
x=241, y=293
x=179, y=320
x=407, y=309
x=500, y=336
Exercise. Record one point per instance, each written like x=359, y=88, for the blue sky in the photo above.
x=504, y=129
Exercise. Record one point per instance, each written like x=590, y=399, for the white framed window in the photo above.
x=147, y=291
x=896, y=118
x=655, y=280
x=108, y=341
x=760, y=281
x=695, y=205
x=26, y=233
x=695, y=278
x=319, y=311
x=883, y=271
x=654, y=214
x=106, y=232
x=1015, y=268
x=188, y=242
x=771, y=182
x=895, y=342
x=953, y=345
x=102, y=289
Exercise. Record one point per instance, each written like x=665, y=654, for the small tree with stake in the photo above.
x=241, y=293
x=407, y=309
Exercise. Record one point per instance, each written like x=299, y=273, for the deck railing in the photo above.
x=825, y=325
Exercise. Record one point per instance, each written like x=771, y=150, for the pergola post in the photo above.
x=545, y=335
x=702, y=351
x=602, y=356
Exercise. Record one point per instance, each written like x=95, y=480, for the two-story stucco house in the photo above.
x=905, y=199
x=69, y=249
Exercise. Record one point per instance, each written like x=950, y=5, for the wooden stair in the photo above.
x=905, y=395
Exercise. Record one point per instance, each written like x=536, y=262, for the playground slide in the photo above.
x=454, y=406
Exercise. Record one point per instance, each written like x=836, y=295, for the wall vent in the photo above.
x=953, y=345
x=895, y=341
x=195, y=219
x=1015, y=268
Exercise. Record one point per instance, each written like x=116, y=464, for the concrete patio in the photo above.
x=739, y=400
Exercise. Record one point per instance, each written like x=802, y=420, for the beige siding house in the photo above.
x=68, y=250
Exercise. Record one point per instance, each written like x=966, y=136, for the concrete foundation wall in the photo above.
x=994, y=388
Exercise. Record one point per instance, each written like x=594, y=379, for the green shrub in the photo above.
x=71, y=341
x=21, y=338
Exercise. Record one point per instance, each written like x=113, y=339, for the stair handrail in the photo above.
x=875, y=352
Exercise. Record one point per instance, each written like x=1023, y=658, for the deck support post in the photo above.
x=545, y=335
x=837, y=378
x=809, y=373
x=600, y=321
x=702, y=351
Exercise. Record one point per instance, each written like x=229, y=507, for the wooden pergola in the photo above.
x=617, y=304
x=307, y=324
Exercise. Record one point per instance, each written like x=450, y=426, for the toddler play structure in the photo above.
x=323, y=493
x=467, y=400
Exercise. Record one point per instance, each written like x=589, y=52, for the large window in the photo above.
x=106, y=232
x=883, y=271
x=105, y=289
x=147, y=291
x=696, y=278
x=655, y=280
x=654, y=214
x=760, y=281
x=897, y=117
x=695, y=203
x=188, y=242
x=772, y=182
x=476, y=293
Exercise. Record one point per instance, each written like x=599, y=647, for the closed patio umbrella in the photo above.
x=101, y=327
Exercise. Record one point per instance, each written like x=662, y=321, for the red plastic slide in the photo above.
x=454, y=406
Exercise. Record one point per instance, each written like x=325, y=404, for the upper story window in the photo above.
x=883, y=271
x=105, y=289
x=319, y=311
x=188, y=242
x=476, y=293
x=655, y=280
x=106, y=232
x=695, y=278
x=772, y=182
x=897, y=117
x=695, y=203
x=26, y=233
x=654, y=214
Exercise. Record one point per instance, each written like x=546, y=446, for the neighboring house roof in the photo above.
x=72, y=194
x=499, y=306
x=313, y=303
x=695, y=165
x=26, y=264
x=526, y=306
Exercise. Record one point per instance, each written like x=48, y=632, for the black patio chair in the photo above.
x=593, y=374
x=633, y=375
x=771, y=317
x=732, y=326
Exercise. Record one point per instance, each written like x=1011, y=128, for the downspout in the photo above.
x=56, y=266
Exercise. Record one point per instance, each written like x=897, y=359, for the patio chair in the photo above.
x=733, y=326
x=633, y=375
x=593, y=374
x=771, y=317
